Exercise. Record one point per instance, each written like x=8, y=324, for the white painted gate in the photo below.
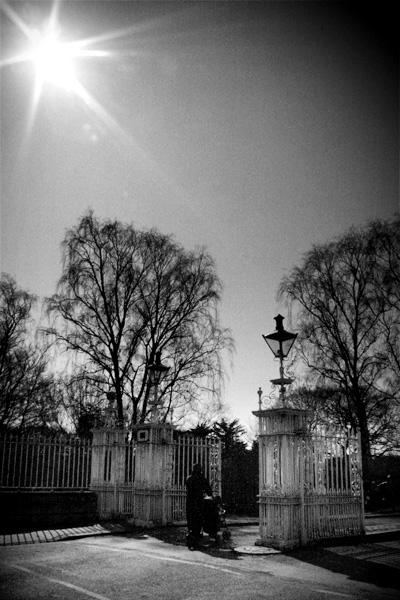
x=188, y=450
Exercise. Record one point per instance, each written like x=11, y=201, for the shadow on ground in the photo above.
x=354, y=568
x=177, y=537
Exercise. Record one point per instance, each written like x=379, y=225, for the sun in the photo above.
x=54, y=62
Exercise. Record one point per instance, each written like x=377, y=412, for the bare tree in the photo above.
x=126, y=295
x=384, y=240
x=25, y=385
x=338, y=317
x=331, y=407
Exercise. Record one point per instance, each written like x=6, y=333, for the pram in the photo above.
x=214, y=518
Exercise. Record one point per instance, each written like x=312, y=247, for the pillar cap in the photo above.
x=149, y=425
x=306, y=412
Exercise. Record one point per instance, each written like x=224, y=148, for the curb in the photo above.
x=382, y=536
x=58, y=535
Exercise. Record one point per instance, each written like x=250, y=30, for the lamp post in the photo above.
x=280, y=342
x=110, y=411
x=157, y=372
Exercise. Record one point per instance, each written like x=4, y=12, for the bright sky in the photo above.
x=255, y=129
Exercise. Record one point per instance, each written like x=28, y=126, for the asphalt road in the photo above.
x=142, y=567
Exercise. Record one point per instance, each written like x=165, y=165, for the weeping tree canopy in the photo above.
x=126, y=295
x=26, y=399
x=344, y=303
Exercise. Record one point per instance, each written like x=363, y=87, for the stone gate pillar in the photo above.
x=153, y=473
x=282, y=433
x=108, y=463
x=108, y=469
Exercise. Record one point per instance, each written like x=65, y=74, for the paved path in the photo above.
x=378, y=552
x=120, y=567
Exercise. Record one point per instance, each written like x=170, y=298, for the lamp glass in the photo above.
x=287, y=344
x=280, y=342
x=273, y=343
x=157, y=371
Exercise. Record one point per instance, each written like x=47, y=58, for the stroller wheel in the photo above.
x=191, y=541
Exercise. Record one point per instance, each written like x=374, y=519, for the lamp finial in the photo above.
x=279, y=322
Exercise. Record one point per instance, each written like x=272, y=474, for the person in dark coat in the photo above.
x=197, y=486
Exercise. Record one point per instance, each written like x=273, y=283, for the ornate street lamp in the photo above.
x=280, y=342
x=157, y=372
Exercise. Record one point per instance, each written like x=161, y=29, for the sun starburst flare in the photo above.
x=56, y=63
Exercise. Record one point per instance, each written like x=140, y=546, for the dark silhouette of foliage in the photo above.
x=201, y=430
x=239, y=469
x=230, y=434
